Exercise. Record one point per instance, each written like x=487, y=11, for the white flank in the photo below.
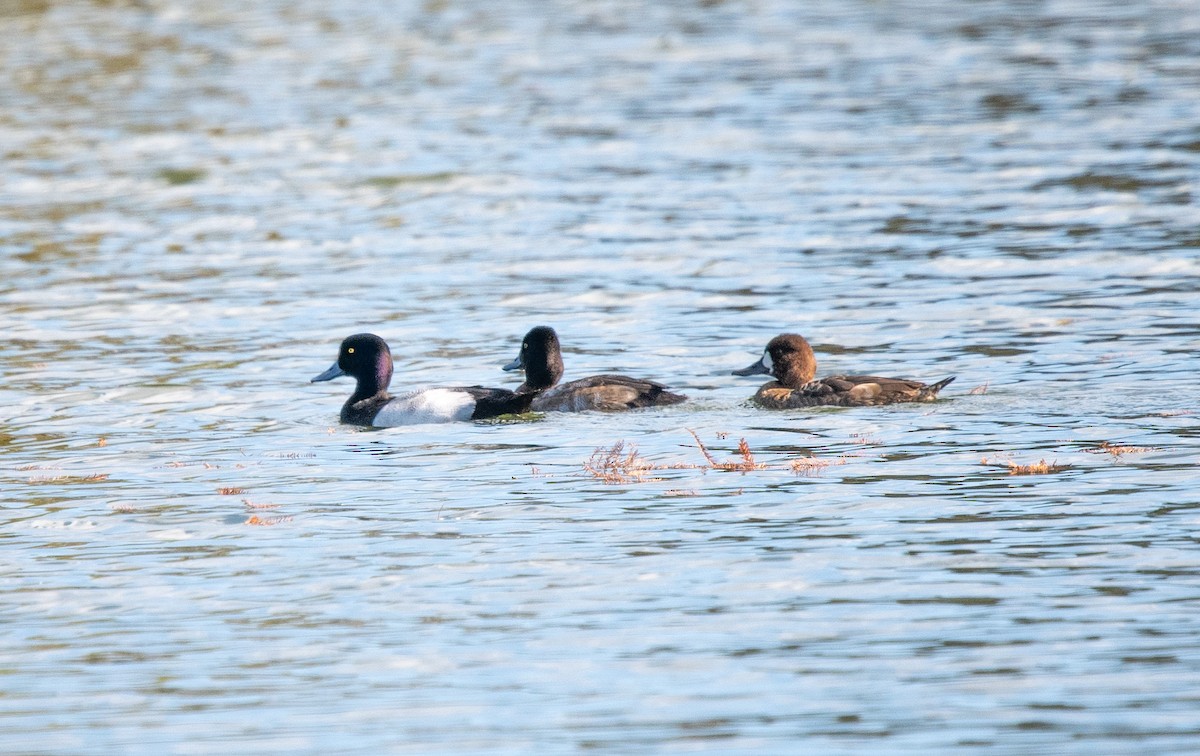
x=435, y=405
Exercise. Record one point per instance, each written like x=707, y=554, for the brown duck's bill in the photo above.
x=757, y=368
x=333, y=372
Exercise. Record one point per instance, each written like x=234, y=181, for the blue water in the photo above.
x=199, y=203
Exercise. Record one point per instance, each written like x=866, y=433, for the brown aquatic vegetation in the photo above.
x=251, y=505
x=621, y=463
x=256, y=520
x=231, y=491
x=703, y=449
x=618, y=465
x=813, y=465
x=1116, y=450
x=980, y=389
x=745, y=464
x=1041, y=467
x=93, y=478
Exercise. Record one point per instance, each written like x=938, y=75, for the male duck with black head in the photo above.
x=541, y=359
x=790, y=359
x=366, y=358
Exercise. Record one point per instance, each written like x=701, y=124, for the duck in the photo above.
x=541, y=359
x=367, y=358
x=789, y=358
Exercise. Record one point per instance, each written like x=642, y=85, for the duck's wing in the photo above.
x=608, y=393
x=812, y=394
x=855, y=390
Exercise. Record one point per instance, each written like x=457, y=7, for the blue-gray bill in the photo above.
x=517, y=364
x=333, y=372
x=758, y=368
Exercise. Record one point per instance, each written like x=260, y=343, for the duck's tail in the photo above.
x=930, y=392
x=660, y=397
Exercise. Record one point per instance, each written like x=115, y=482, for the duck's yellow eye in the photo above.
x=349, y=350
x=524, y=346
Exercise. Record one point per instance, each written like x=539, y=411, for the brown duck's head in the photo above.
x=789, y=358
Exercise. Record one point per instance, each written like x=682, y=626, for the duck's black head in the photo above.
x=789, y=358
x=366, y=358
x=540, y=358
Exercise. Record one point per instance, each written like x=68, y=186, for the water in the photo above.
x=198, y=203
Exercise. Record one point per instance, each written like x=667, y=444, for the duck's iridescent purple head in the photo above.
x=366, y=358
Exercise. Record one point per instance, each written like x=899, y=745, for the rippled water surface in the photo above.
x=199, y=200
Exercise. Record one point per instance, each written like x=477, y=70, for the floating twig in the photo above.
x=1041, y=467
x=1116, y=450
x=251, y=505
x=256, y=520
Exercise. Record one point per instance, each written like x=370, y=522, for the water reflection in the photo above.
x=199, y=200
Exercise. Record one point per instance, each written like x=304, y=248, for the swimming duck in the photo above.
x=541, y=359
x=790, y=359
x=366, y=358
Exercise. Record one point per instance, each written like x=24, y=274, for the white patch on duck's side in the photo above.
x=865, y=391
x=436, y=405
x=558, y=400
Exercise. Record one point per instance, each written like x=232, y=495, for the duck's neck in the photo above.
x=542, y=375
x=797, y=374
x=373, y=385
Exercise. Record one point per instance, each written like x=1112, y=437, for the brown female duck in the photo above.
x=790, y=359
